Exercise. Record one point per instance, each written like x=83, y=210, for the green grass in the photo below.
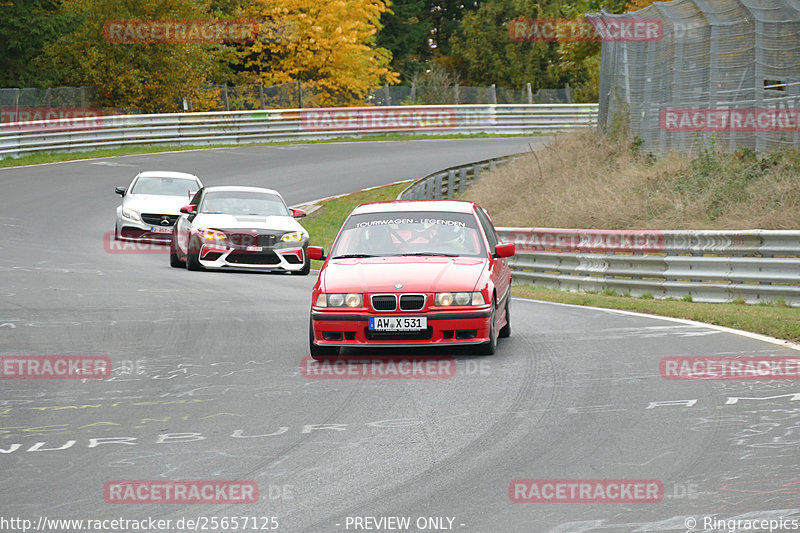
x=773, y=319
x=38, y=159
x=770, y=318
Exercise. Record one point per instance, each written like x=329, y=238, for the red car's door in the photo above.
x=499, y=270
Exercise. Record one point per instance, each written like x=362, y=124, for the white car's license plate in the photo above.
x=397, y=323
x=160, y=229
x=254, y=249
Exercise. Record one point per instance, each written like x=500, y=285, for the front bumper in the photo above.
x=445, y=328
x=132, y=230
x=289, y=258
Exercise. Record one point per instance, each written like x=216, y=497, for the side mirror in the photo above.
x=505, y=249
x=297, y=213
x=189, y=209
x=316, y=252
x=120, y=191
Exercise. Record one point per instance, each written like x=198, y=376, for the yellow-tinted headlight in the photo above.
x=212, y=235
x=295, y=236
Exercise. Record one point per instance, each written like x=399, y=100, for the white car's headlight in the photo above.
x=130, y=214
x=446, y=299
x=295, y=236
x=340, y=300
x=212, y=235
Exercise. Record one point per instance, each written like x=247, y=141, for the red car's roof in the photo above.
x=453, y=206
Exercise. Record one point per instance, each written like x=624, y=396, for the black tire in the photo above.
x=174, y=260
x=320, y=353
x=193, y=256
x=490, y=347
x=505, y=331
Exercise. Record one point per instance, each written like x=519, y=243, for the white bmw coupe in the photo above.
x=239, y=228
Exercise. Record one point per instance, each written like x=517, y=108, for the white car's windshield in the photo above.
x=163, y=186
x=409, y=233
x=243, y=203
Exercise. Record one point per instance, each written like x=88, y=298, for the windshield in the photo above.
x=165, y=186
x=243, y=203
x=409, y=233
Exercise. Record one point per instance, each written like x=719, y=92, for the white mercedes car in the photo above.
x=239, y=228
x=151, y=205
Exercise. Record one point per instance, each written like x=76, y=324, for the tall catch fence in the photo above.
x=725, y=72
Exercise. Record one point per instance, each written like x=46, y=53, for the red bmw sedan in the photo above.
x=410, y=274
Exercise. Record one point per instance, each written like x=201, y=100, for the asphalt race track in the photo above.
x=207, y=384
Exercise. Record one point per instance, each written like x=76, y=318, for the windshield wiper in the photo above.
x=438, y=254
x=352, y=256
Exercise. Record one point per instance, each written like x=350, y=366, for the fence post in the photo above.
x=387, y=93
x=299, y=94
x=451, y=178
x=455, y=94
x=492, y=94
x=261, y=95
x=529, y=90
x=225, y=96
x=413, y=93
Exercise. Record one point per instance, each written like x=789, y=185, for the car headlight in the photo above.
x=295, y=236
x=446, y=299
x=340, y=300
x=130, y=214
x=212, y=235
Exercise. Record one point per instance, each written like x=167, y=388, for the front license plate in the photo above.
x=397, y=323
x=254, y=249
x=160, y=229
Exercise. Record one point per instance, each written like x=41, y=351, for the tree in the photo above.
x=153, y=77
x=25, y=27
x=327, y=45
x=483, y=53
x=406, y=32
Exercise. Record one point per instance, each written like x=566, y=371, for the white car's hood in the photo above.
x=220, y=221
x=155, y=203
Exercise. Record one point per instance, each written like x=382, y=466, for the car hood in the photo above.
x=221, y=221
x=154, y=203
x=416, y=274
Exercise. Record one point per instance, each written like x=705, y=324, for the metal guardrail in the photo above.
x=451, y=181
x=242, y=127
x=710, y=266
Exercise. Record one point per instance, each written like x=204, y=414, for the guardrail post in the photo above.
x=530, y=92
x=462, y=180
x=451, y=178
x=437, y=186
x=493, y=94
